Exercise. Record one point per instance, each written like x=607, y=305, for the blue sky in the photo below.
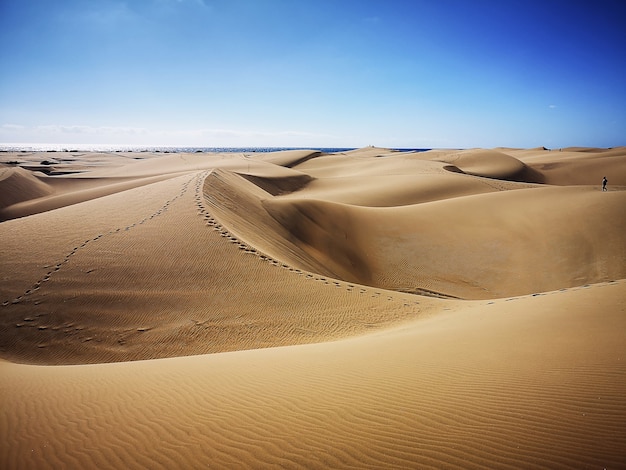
x=333, y=73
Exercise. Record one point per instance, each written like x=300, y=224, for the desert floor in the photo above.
x=366, y=309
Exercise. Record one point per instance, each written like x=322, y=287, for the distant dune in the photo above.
x=363, y=309
x=20, y=185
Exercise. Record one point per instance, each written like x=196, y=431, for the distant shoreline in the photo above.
x=169, y=149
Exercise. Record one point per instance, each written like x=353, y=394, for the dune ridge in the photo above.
x=366, y=309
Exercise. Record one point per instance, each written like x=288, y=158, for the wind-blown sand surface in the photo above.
x=369, y=309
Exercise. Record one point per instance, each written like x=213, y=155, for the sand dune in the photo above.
x=536, y=382
x=485, y=246
x=20, y=185
x=288, y=158
x=487, y=163
x=583, y=166
x=367, y=309
x=70, y=193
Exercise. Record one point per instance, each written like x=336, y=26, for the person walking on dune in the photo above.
x=604, y=182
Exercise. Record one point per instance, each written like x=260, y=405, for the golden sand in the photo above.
x=369, y=309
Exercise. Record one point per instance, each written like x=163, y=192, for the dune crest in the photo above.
x=289, y=158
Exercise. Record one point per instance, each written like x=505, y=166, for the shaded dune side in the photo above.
x=280, y=185
x=17, y=185
x=273, y=179
x=237, y=203
x=329, y=233
x=502, y=244
x=534, y=383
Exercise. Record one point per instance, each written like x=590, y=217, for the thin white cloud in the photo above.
x=117, y=130
x=106, y=130
x=552, y=106
x=12, y=127
x=246, y=133
x=84, y=134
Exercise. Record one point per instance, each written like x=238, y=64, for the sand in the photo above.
x=368, y=309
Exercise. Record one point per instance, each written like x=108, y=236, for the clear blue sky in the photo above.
x=413, y=73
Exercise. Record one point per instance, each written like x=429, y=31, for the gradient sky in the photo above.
x=323, y=73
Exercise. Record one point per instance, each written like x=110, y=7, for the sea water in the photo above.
x=156, y=149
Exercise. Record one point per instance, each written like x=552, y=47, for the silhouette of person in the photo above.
x=604, y=182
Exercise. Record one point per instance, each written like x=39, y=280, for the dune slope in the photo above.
x=536, y=382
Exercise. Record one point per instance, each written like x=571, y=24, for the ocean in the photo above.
x=162, y=149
